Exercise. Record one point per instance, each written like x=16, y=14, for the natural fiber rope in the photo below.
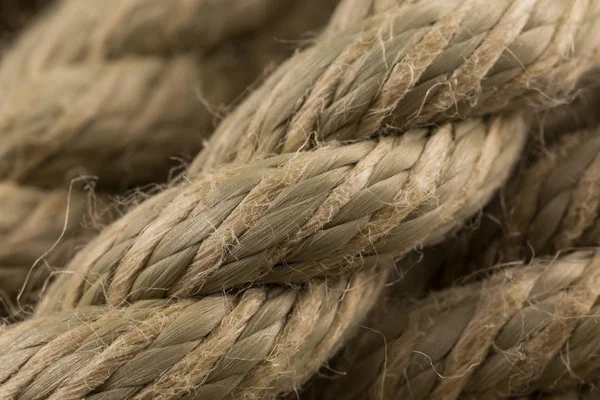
x=526, y=328
x=411, y=66
x=241, y=211
x=33, y=230
x=294, y=217
x=552, y=205
x=557, y=191
x=505, y=138
x=220, y=345
x=104, y=90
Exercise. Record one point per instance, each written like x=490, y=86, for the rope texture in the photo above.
x=31, y=223
x=219, y=345
x=294, y=217
x=510, y=231
x=550, y=206
x=412, y=66
x=524, y=329
x=269, y=264
x=103, y=90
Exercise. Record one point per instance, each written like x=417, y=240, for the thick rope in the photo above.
x=104, y=89
x=411, y=66
x=526, y=328
x=298, y=217
x=294, y=217
x=42, y=228
x=552, y=205
x=263, y=341
x=508, y=231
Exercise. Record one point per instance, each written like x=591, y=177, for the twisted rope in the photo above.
x=293, y=217
x=566, y=176
x=341, y=209
x=103, y=90
x=526, y=328
x=221, y=345
x=411, y=66
x=551, y=206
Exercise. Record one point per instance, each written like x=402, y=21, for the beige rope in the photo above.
x=259, y=342
x=550, y=206
x=525, y=328
x=42, y=228
x=341, y=209
x=293, y=217
x=104, y=88
x=411, y=66
x=509, y=231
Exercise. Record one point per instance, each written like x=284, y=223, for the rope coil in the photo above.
x=246, y=274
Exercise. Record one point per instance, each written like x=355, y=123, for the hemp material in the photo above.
x=294, y=217
x=413, y=65
x=244, y=346
x=33, y=230
x=552, y=205
x=294, y=250
x=110, y=90
x=526, y=328
x=548, y=206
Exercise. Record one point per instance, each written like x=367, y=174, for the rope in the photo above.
x=32, y=223
x=508, y=334
x=412, y=66
x=294, y=217
x=236, y=344
x=103, y=90
x=249, y=272
x=554, y=191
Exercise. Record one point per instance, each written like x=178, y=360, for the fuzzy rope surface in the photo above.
x=45, y=225
x=311, y=218
x=526, y=328
x=294, y=217
x=410, y=66
x=567, y=175
x=552, y=205
x=109, y=90
x=262, y=341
